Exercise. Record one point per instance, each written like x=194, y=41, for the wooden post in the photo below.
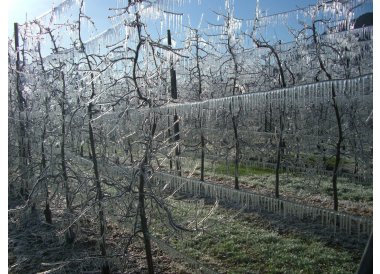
x=174, y=95
x=173, y=75
x=366, y=263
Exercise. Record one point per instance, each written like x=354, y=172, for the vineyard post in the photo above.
x=174, y=95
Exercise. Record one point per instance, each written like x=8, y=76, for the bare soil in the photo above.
x=35, y=246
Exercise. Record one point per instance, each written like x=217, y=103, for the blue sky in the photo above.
x=98, y=9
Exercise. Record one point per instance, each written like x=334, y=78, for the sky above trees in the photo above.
x=20, y=10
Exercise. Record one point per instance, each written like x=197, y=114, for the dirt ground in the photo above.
x=35, y=246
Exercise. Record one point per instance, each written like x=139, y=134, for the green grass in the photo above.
x=350, y=191
x=243, y=170
x=293, y=184
x=245, y=244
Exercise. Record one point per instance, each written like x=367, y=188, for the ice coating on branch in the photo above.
x=231, y=25
x=257, y=10
x=107, y=37
x=300, y=96
x=325, y=9
x=162, y=11
x=249, y=200
x=58, y=10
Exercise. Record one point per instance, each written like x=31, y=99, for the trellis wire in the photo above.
x=329, y=218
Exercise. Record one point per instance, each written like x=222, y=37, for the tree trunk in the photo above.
x=278, y=160
x=178, y=148
x=47, y=211
x=337, y=116
x=337, y=150
x=237, y=152
x=202, y=157
x=22, y=144
x=144, y=223
x=99, y=192
x=70, y=235
x=141, y=207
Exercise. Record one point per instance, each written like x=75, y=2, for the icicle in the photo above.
x=349, y=225
x=322, y=216
x=359, y=227
x=369, y=230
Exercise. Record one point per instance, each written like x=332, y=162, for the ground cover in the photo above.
x=232, y=241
